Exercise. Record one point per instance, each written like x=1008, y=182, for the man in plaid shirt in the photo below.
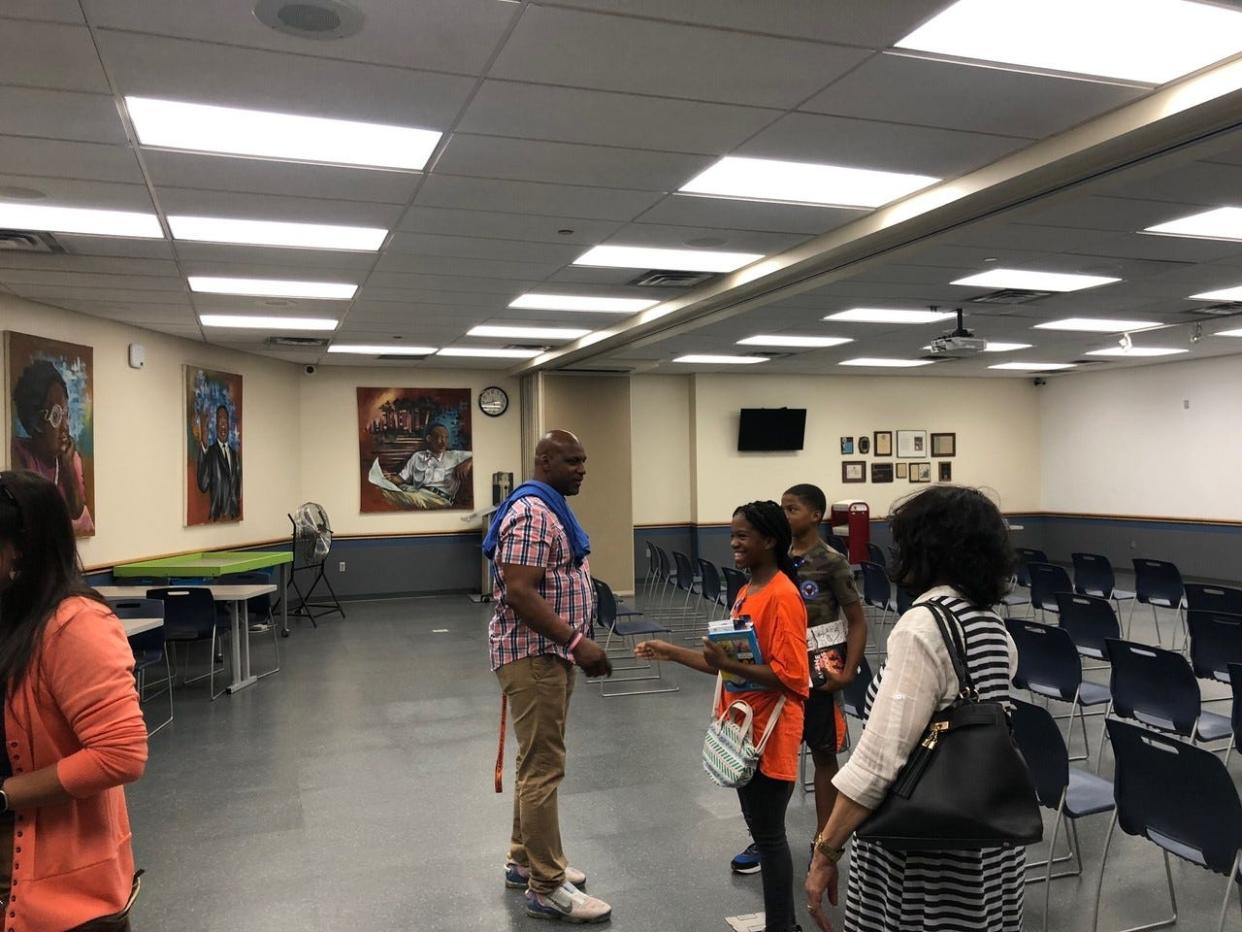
x=544, y=604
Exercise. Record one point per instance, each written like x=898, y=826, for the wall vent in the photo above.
x=667, y=278
x=297, y=342
x=1010, y=296
x=25, y=241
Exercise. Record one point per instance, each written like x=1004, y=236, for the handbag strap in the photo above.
x=767, y=732
x=949, y=631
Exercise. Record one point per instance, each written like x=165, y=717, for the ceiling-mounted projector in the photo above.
x=959, y=343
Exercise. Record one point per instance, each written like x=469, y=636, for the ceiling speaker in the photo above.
x=317, y=19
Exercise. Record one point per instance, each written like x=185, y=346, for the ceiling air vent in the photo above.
x=23, y=241
x=542, y=347
x=607, y=370
x=316, y=19
x=1010, y=296
x=1096, y=362
x=401, y=357
x=297, y=342
x=664, y=278
x=1227, y=309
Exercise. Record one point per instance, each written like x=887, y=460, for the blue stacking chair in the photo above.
x=1157, y=687
x=1235, y=715
x=1070, y=792
x=1207, y=598
x=1047, y=581
x=711, y=586
x=1048, y=666
x=1093, y=575
x=878, y=593
x=189, y=617
x=1158, y=583
x=854, y=695
x=1090, y=621
x=687, y=581
x=839, y=544
x=734, y=581
x=1182, y=799
x=653, y=569
x=1215, y=643
x=626, y=628
x=876, y=555
x=260, y=606
x=1028, y=555
x=905, y=600
x=148, y=649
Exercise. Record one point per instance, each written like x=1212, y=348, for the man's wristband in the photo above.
x=569, y=648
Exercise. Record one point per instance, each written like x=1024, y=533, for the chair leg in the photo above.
x=1224, y=906
x=1155, y=615
x=1099, y=884
x=1099, y=758
x=1052, y=850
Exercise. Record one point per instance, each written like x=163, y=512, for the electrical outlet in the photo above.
x=341, y=567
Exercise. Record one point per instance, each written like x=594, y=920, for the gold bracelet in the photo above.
x=822, y=847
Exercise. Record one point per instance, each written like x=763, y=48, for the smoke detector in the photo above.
x=315, y=19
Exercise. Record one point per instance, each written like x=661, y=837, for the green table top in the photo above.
x=218, y=563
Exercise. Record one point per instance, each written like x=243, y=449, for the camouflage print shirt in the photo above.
x=826, y=582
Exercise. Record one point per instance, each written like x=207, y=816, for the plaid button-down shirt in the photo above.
x=532, y=536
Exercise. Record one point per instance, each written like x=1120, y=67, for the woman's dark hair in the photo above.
x=30, y=392
x=34, y=518
x=810, y=495
x=953, y=536
x=768, y=518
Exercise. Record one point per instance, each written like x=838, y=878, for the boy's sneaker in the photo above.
x=517, y=877
x=567, y=904
x=747, y=862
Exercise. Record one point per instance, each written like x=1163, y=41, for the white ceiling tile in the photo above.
x=887, y=146
x=102, y=264
x=484, y=223
x=270, y=176
x=28, y=111
x=589, y=275
x=217, y=74
x=557, y=162
x=67, y=192
x=397, y=314
x=252, y=269
x=262, y=255
x=480, y=268
x=466, y=247
x=921, y=91
x=393, y=272
x=558, y=46
x=1099, y=213
x=60, y=159
x=528, y=197
x=195, y=202
x=728, y=213
x=60, y=11
x=113, y=246
x=232, y=304
x=654, y=234
x=480, y=299
x=17, y=279
x=135, y=313
x=49, y=55
x=565, y=114
x=92, y=293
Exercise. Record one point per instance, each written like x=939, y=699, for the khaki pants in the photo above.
x=538, y=689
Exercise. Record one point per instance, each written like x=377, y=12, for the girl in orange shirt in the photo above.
x=72, y=729
x=760, y=539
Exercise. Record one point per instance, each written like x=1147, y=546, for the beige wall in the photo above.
x=139, y=437
x=597, y=409
x=996, y=422
x=660, y=446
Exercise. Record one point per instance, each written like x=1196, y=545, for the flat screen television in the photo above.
x=771, y=429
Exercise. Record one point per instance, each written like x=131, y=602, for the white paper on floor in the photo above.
x=753, y=922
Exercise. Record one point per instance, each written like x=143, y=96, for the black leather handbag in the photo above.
x=965, y=786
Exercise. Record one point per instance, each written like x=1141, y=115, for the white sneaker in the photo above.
x=516, y=876
x=568, y=904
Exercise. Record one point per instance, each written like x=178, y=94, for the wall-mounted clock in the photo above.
x=493, y=401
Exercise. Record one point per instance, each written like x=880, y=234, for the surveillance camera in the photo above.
x=1037, y=382
x=310, y=370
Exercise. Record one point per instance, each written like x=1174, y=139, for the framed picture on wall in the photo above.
x=920, y=472
x=883, y=443
x=864, y=444
x=853, y=471
x=847, y=446
x=881, y=472
x=902, y=470
x=213, y=444
x=946, y=471
x=911, y=444
x=944, y=444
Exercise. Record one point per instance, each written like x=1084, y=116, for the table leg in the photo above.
x=240, y=622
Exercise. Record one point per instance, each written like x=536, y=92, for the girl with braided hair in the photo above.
x=760, y=539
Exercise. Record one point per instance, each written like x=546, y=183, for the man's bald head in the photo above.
x=560, y=461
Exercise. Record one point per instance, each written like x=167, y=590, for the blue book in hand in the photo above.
x=742, y=645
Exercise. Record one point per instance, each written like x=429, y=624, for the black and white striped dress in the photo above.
x=944, y=891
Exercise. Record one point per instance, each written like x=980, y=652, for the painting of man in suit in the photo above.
x=214, y=456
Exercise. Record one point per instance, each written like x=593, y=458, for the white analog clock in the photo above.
x=493, y=401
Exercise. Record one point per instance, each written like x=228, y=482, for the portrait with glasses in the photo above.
x=51, y=427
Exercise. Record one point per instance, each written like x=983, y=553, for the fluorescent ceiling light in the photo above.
x=879, y=362
x=1138, y=351
x=276, y=233
x=1097, y=325
x=251, y=322
x=1229, y=333
x=1033, y=366
x=795, y=342
x=803, y=183
x=86, y=221
x=272, y=288
x=379, y=349
x=1000, y=347
x=681, y=260
x=706, y=359
x=1223, y=294
x=1152, y=41
x=880, y=315
x=1221, y=223
x=539, y=333
x=171, y=124
x=489, y=352
x=1034, y=281
x=581, y=302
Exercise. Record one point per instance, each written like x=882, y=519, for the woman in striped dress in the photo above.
x=951, y=544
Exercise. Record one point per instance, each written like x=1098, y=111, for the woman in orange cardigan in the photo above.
x=73, y=730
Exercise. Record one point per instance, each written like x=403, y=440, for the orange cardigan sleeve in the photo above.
x=88, y=668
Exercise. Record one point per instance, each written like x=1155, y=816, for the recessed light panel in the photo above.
x=272, y=288
x=880, y=315
x=1221, y=223
x=1097, y=325
x=706, y=359
x=581, y=302
x=1004, y=347
x=1138, y=351
x=378, y=349
x=879, y=362
x=1034, y=281
x=1033, y=366
x=1229, y=333
x=277, y=233
x=793, y=342
x=534, y=333
x=171, y=124
x=803, y=183
x=681, y=260
x=249, y=322
x=81, y=220
x=1152, y=41
x=1222, y=294
x=484, y=352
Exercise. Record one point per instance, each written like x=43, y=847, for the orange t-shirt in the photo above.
x=779, y=616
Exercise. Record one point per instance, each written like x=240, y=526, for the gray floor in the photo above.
x=353, y=791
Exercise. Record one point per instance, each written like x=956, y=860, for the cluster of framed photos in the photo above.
x=910, y=445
